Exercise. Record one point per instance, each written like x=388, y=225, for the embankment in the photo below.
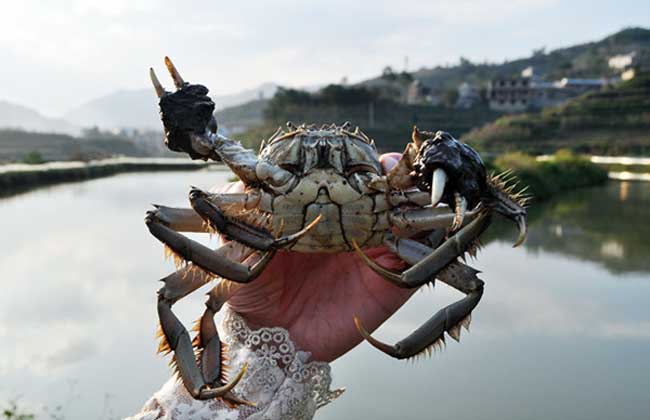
x=21, y=177
x=561, y=172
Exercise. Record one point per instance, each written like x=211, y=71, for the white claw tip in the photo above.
x=438, y=182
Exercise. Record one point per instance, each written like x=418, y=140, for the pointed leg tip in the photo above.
x=359, y=325
x=518, y=243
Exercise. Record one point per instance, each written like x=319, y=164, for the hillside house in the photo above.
x=529, y=91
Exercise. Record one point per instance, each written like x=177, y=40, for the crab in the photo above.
x=319, y=189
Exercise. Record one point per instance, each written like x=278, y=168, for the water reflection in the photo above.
x=608, y=225
x=557, y=335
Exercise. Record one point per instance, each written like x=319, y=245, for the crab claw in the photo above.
x=438, y=182
x=501, y=198
x=522, y=224
x=456, y=176
x=158, y=87
x=459, y=210
x=176, y=76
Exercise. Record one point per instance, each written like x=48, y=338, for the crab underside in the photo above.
x=319, y=189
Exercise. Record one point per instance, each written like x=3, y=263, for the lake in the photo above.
x=562, y=332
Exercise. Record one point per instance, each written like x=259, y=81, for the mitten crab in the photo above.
x=319, y=189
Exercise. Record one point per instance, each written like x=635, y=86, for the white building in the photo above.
x=529, y=91
x=622, y=61
x=468, y=96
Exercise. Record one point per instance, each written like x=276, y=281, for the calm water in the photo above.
x=562, y=332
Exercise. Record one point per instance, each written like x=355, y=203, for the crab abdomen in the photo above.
x=346, y=214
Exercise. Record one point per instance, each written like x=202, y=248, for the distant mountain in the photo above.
x=242, y=117
x=21, y=117
x=139, y=109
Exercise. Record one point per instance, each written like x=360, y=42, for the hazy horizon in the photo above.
x=55, y=58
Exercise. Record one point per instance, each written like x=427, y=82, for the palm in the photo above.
x=316, y=296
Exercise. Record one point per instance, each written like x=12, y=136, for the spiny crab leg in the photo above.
x=457, y=275
x=204, y=257
x=448, y=320
x=205, y=380
x=411, y=221
x=246, y=234
x=426, y=269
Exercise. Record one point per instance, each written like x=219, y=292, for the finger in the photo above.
x=389, y=160
x=158, y=87
x=178, y=80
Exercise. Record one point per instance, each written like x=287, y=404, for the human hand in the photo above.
x=316, y=296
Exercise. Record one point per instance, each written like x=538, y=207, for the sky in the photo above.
x=55, y=55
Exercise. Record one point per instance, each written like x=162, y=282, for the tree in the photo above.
x=388, y=73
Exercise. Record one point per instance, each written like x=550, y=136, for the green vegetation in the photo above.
x=13, y=413
x=388, y=122
x=578, y=61
x=565, y=171
x=612, y=121
x=33, y=158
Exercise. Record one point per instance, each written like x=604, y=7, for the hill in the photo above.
x=579, y=61
x=18, y=145
x=139, y=108
x=612, y=121
x=388, y=122
x=18, y=116
x=239, y=118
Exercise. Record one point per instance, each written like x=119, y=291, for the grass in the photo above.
x=33, y=158
x=566, y=171
x=12, y=412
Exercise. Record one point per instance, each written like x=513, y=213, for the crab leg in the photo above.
x=246, y=234
x=425, y=219
x=449, y=319
x=427, y=268
x=206, y=380
x=187, y=220
x=204, y=257
x=179, y=219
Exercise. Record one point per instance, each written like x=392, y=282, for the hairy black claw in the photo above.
x=463, y=169
x=186, y=113
x=455, y=175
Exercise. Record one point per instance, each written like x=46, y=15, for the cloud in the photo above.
x=60, y=54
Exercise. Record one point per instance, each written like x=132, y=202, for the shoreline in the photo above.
x=17, y=178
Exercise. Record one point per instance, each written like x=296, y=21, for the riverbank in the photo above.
x=557, y=173
x=22, y=177
x=544, y=177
